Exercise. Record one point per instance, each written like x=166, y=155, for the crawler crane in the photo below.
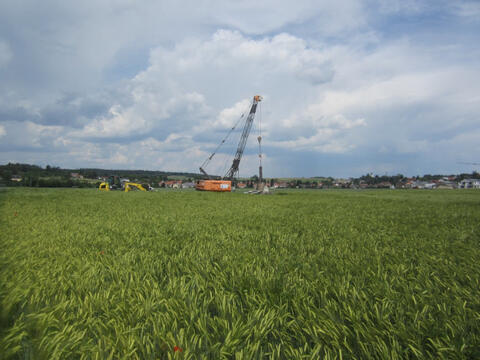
x=225, y=184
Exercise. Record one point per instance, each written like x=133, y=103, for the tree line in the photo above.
x=17, y=174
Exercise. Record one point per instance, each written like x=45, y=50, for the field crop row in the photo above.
x=295, y=275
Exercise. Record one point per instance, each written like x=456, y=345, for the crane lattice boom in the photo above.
x=233, y=171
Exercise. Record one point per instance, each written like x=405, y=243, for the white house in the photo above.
x=188, y=185
x=469, y=184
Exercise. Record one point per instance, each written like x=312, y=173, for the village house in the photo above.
x=384, y=185
x=173, y=184
x=241, y=185
x=188, y=185
x=76, y=176
x=342, y=183
x=445, y=183
x=469, y=184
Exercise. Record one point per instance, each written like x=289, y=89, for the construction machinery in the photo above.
x=114, y=183
x=225, y=183
x=214, y=185
x=129, y=186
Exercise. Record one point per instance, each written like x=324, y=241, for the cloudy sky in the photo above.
x=350, y=87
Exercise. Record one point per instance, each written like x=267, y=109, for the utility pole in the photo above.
x=260, y=168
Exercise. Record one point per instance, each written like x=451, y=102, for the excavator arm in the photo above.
x=129, y=186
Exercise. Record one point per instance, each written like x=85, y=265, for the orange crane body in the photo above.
x=214, y=185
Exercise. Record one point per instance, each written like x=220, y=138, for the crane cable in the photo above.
x=222, y=142
x=259, y=138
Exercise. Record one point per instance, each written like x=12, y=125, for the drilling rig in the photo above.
x=225, y=184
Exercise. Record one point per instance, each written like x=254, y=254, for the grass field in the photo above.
x=188, y=275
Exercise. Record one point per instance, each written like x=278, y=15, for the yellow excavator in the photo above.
x=113, y=183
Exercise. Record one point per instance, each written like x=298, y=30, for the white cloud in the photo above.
x=119, y=123
x=326, y=137
x=80, y=45
x=149, y=111
x=119, y=159
x=189, y=89
x=38, y=135
x=231, y=115
x=30, y=137
x=468, y=9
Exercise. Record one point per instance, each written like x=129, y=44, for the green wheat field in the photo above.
x=390, y=274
